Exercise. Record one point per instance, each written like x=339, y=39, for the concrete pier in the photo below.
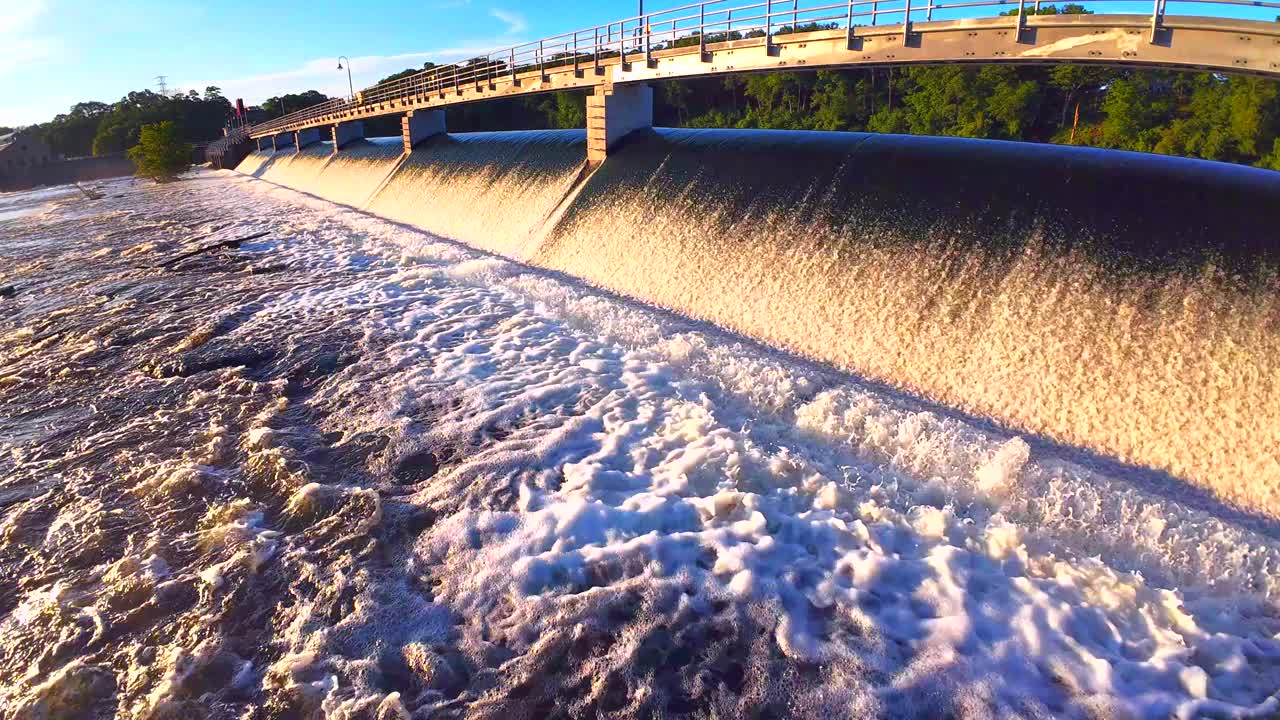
x=264, y=143
x=418, y=125
x=303, y=138
x=613, y=113
x=346, y=133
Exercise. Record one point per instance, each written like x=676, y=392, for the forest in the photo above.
x=1195, y=114
x=97, y=128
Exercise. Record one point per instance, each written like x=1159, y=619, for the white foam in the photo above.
x=640, y=458
x=591, y=450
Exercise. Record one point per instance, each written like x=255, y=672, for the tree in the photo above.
x=161, y=154
x=565, y=110
x=407, y=72
x=292, y=102
x=1077, y=84
x=832, y=106
x=991, y=101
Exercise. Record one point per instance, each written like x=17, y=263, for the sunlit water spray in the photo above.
x=352, y=470
x=1122, y=303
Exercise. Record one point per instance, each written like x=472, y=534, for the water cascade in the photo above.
x=1123, y=303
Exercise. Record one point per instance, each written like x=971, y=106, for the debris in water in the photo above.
x=223, y=245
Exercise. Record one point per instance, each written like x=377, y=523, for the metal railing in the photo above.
x=636, y=39
x=236, y=135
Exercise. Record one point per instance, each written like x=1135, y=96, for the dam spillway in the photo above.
x=352, y=469
x=1122, y=303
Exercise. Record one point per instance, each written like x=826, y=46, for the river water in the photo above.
x=349, y=469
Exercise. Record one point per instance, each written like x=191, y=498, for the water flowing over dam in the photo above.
x=263, y=455
x=1121, y=303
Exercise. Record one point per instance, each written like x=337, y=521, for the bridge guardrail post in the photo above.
x=702, y=32
x=1157, y=21
x=768, y=27
x=906, y=23
x=848, y=26
x=648, y=44
x=622, y=44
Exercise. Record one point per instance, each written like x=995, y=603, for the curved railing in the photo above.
x=637, y=38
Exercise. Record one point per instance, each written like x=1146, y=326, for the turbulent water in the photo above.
x=1118, y=302
x=349, y=469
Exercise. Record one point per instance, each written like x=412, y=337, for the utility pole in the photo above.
x=164, y=87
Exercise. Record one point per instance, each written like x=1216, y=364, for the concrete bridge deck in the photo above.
x=710, y=38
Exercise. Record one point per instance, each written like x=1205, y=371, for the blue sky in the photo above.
x=54, y=53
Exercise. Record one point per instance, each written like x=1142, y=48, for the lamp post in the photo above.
x=351, y=90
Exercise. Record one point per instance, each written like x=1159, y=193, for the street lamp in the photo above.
x=351, y=91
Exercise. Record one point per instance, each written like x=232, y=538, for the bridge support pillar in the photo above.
x=282, y=140
x=613, y=113
x=303, y=138
x=346, y=133
x=264, y=144
x=418, y=125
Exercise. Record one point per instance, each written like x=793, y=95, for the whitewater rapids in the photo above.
x=352, y=470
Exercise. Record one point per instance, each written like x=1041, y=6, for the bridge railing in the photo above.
x=293, y=119
x=637, y=38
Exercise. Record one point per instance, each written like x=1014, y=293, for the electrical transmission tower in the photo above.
x=164, y=86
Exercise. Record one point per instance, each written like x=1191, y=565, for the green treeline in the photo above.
x=97, y=128
x=1194, y=114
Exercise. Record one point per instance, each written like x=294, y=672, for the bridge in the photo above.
x=617, y=60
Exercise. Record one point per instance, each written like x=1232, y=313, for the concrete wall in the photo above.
x=612, y=114
x=68, y=171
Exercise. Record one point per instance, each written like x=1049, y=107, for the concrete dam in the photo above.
x=1122, y=304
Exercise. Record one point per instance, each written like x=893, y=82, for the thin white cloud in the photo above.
x=32, y=114
x=21, y=46
x=22, y=16
x=516, y=23
x=322, y=74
